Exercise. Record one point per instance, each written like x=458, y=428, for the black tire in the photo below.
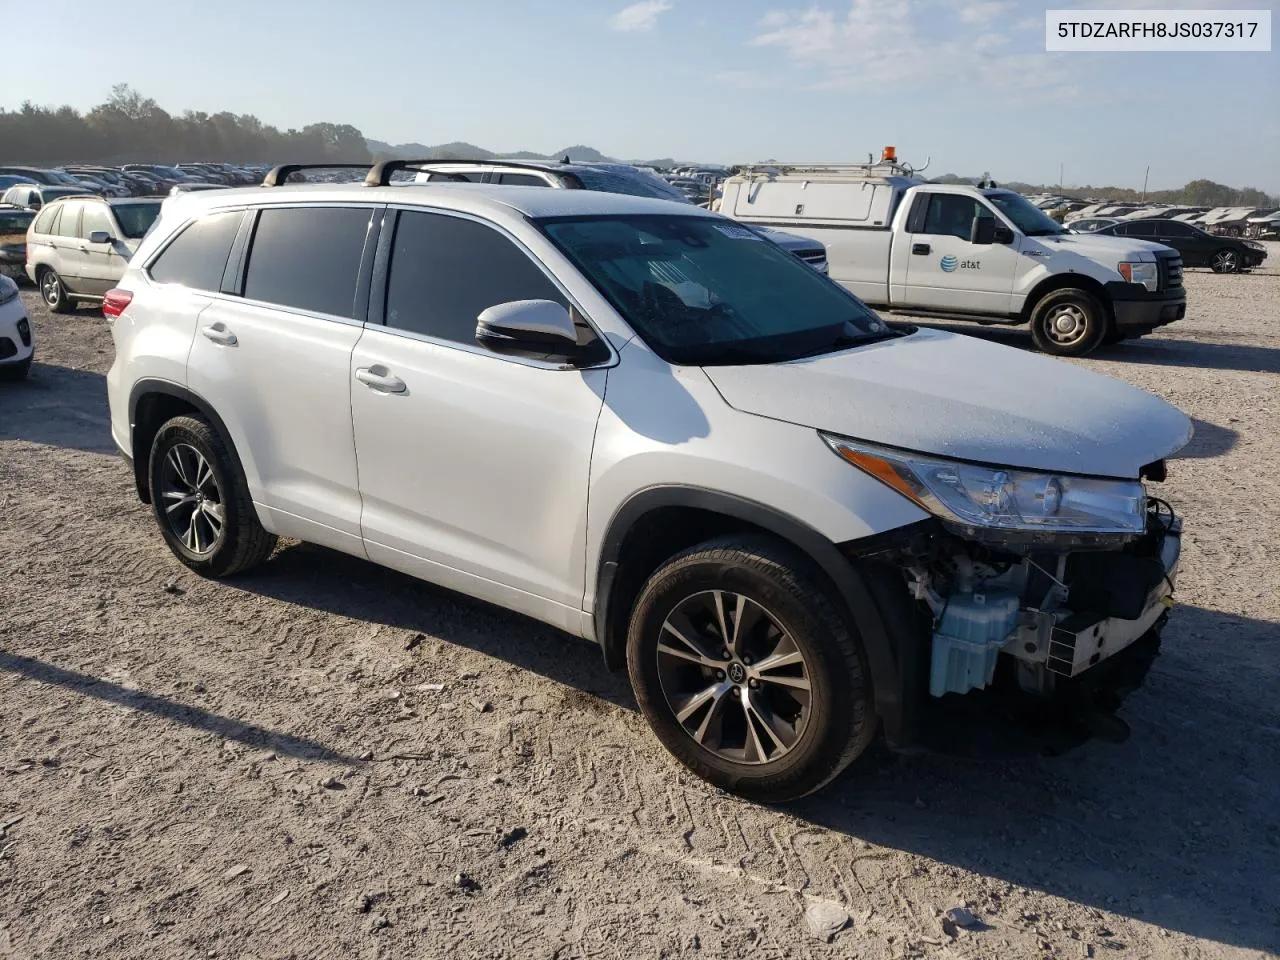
x=839, y=721
x=53, y=291
x=1069, y=323
x=16, y=371
x=1226, y=260
x=239, y=542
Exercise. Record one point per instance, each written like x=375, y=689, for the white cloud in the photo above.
x=857, y=44
x=639, y=17
x=985, y=12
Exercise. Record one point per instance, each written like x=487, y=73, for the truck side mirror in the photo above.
x=988, y=230
x=982, y=231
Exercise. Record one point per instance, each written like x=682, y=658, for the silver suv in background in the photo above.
x=77, y=248
x=638, y=421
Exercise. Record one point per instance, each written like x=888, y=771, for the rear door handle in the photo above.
x=378, y=378
x=218, y=333
x=920, y=249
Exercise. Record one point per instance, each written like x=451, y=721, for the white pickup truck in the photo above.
x=963, y=252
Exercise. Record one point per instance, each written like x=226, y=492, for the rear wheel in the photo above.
x=201, y=501
x=1069, y=323
x=1225, y=260
x=53, y=292
x=748, y=671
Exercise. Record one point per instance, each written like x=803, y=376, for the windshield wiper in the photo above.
x=844, y=341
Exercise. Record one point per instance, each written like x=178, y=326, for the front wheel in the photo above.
x=748, y=671
x=1068, y=323
x=201, y=501
x=1225, y=261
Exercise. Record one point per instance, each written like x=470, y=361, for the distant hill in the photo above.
x=460, y=150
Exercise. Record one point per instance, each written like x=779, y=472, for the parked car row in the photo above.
x=131, y=179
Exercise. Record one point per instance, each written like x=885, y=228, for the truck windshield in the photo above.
x=707, y=291
x=1025, y=215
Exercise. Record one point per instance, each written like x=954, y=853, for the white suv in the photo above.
x=641, y=423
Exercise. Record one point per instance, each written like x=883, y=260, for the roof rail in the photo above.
x=381, y=173
x=280, y=174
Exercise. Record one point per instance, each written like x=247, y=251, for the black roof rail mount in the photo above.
x=278, y=175
x=381, y=173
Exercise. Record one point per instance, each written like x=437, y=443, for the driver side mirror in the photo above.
x=100, y=236
x=538, y=328
x=988, y=230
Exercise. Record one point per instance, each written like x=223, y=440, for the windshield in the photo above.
x=705, y=290
x=13, y=225
x=1026, y=216
x=48, y=193
x=637, y=185
x=136, y=218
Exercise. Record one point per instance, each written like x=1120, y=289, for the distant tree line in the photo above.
x=1197, y=193
x=131, y=127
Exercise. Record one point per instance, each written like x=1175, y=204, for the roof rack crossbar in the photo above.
x=380, y=174
x=282, y=173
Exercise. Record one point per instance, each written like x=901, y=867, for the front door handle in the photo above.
x=218, y=333
x=378, y=378
x=920, y=249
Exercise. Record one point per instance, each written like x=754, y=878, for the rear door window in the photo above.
x=308, y=258
x=69, y=222
x=446, y=270
x=522, y=180
x=198, y=255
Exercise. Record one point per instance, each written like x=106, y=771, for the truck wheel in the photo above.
x=1068, y=323
x=1225, y=261
x=747, y=670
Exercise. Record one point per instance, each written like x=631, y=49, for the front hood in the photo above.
x=967, y=399
x=1105, y=249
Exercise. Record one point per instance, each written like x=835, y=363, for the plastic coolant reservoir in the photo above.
x=967, y=642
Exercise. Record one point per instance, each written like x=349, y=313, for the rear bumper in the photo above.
x=1137, y=309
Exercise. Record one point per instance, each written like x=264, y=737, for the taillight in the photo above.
x=115, y=301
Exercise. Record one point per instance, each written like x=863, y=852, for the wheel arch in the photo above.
x=153, y=402
x=654, y=524
x=1064, y=281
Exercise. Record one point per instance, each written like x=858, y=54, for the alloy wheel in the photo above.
x=1225, y=261
x=192, y=502
x=735, y=679
x=50, y=289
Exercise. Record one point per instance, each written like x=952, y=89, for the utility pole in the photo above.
x=1060, y=168
x=1144, y=182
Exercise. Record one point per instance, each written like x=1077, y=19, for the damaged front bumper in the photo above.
x=1052, y=618
x=1068, y=642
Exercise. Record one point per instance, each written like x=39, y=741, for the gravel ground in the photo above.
x=264, y=768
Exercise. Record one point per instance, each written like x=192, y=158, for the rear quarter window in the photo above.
x=197, y=257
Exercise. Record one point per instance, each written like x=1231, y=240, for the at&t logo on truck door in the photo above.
x=951, y=264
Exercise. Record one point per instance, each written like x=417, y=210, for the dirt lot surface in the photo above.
x=261, y=768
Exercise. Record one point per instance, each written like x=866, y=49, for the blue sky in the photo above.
x=966, y=82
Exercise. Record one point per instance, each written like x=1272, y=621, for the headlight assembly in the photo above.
x=1143, y=273
x=1005, y=505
